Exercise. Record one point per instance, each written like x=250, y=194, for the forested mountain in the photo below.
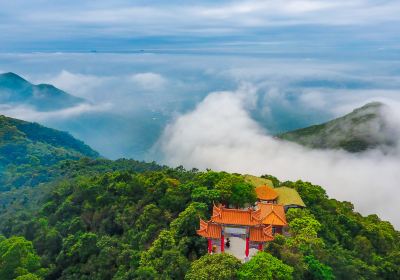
x=65, y=213
x=364, y=128
x=105, y=221
x=14, y=90
x=29, y=150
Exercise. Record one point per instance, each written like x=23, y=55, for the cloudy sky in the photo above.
x=267, y=26
x=208, y=83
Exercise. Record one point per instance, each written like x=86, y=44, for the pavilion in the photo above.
x=254, y=226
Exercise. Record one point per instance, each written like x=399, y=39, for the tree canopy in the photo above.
x=128, y=220
x=216, y=266
x=264, y=266
x=18, y=259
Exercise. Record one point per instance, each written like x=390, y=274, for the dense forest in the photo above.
x=131, y=220
x=29, y=152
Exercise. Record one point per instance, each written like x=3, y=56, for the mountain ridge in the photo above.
x=15, y=90
x=27, y=149
x=362, y=129
x=131, y=220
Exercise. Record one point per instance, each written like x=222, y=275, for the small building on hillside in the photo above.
x=285, y=196
x=242, y=232
x=228, y=228
x=266, y=194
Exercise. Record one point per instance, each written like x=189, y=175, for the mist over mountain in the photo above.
x=15, y=90
x=230, y=139
x=133, y=97
x=365, y=128
x=173, y=102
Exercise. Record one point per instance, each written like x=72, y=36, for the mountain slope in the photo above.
x=27, y=149
x=364, y=128
x=142, y=225
x=14, y=90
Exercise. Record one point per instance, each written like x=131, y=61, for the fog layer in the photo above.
x=220, y=134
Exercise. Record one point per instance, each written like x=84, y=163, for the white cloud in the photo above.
x=220, y=134
x=239, y=13
x=28, y=113
x=124, y=20
x=81, y=85
x=107, y=79
x=149, y=81
x=124, y=91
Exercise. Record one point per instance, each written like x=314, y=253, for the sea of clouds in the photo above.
x=220, y=134
x=221, y=112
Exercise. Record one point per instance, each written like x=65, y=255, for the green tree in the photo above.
x=275, y=182
x=188, y=221
x=235, y=191
x=184, y=229
x=317, y=270
x=216, y=266
x=28, y=276
x=363, y=247
x=304, y=228
x=17, y=258
x=145, y=273
x=164, y=257
x=264, y=266
x=203, y=194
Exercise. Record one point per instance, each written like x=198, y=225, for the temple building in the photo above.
x=285, y=196
x=242, y=232
x=266, y=194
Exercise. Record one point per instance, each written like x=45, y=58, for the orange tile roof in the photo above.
x=266, y=193
x=261, y=234
x=222, y=215
x=209, y=230
x=272, y=214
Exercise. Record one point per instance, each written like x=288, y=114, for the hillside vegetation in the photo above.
x=67, y=214
x=106, y=223
x=28, y=151
x=364, y=128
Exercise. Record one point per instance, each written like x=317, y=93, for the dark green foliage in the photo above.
x=218, y=266
x=234, y=191
x=317, y=270
x=164, y=258
x=329, y=238
x=105, y=225
x=130, y=220
x=27, y=198
x=18, y=259
x=29, y=151
x=264, y=266
x=273, y=179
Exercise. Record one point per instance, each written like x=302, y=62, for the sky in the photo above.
x=207, y=84
x=269, y=26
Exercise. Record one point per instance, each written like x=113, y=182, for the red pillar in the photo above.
x=209, y=245
x=260, y=246
x=222, y=243
x=247, y=246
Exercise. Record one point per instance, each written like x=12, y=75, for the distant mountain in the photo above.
x=27, y=149
x=14, y=90
x=364, y=128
